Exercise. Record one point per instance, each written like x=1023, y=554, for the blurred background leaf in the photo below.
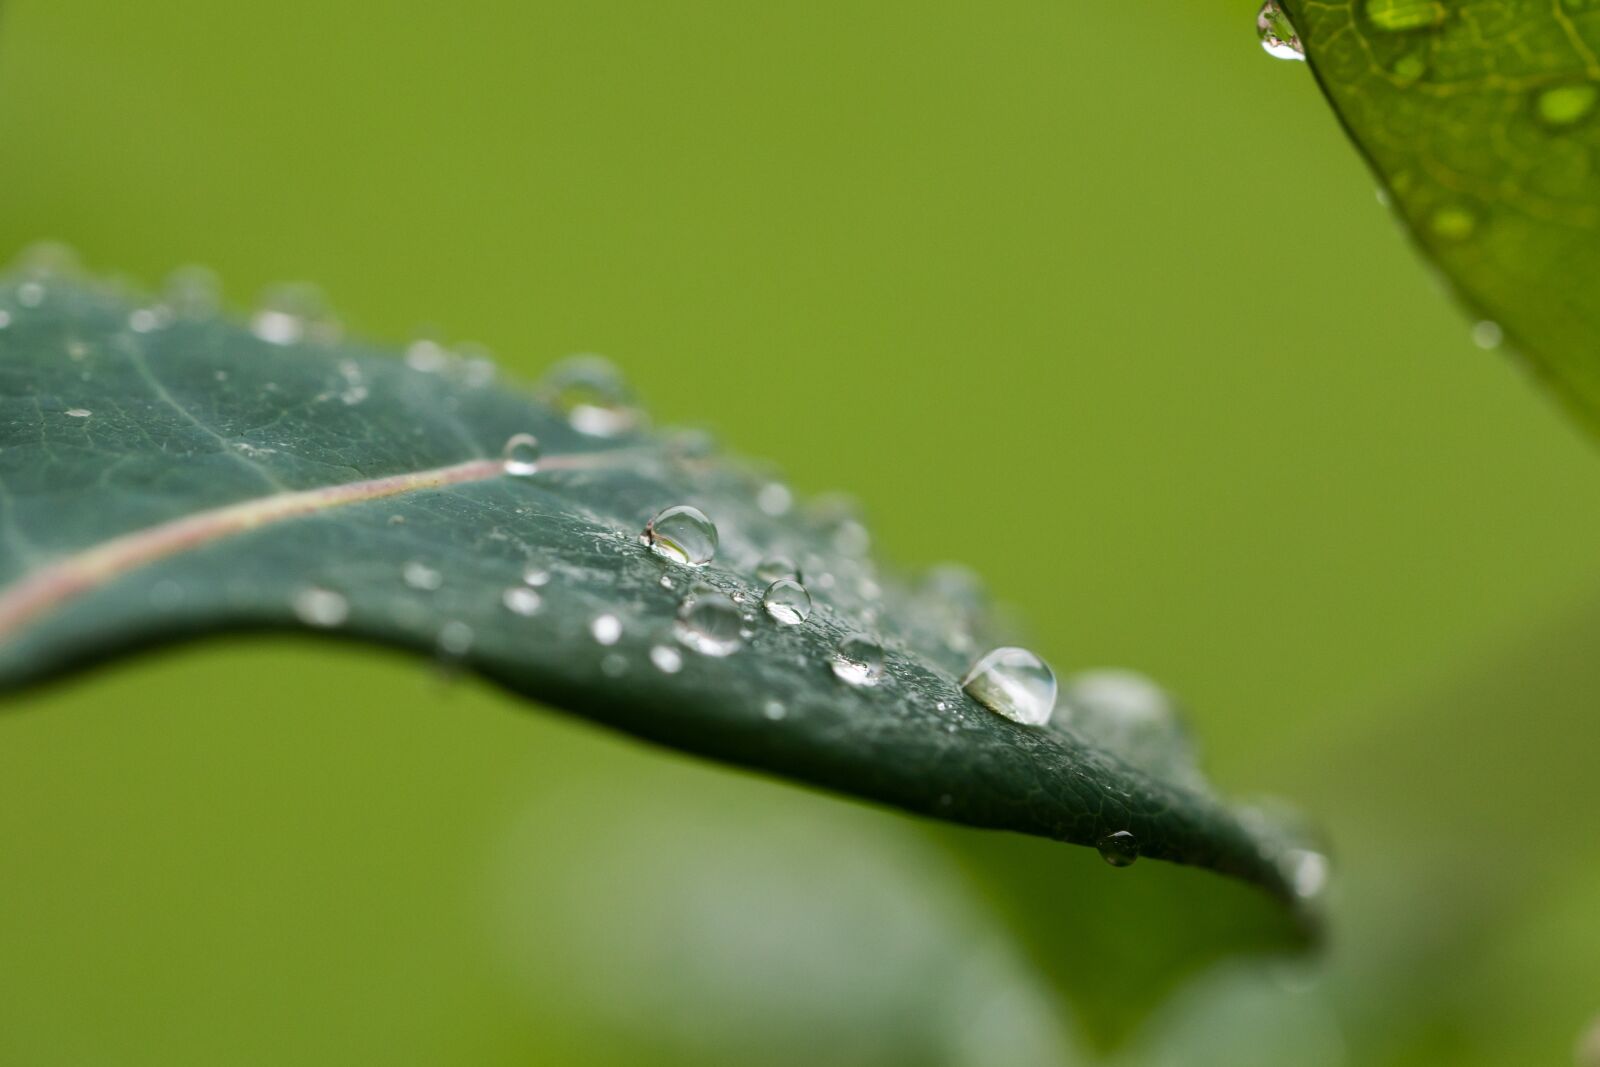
x=1480, y=120
x=1259, y=450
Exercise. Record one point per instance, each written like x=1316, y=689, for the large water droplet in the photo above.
x=710, y=623
x=521, y=455
x=1119, y=849
x=1015, y=683
x=1563, y=105
x=320, y=607
x=593, y=395
x=520, y=600
x=858, y=660
x=787, y=601
x=682, y=534
x=1278, y=35
x=1395, y=16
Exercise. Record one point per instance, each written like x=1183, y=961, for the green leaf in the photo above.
x=1481, y=121
x=166, y=474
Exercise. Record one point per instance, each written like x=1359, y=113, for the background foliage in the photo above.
x=1150, y=357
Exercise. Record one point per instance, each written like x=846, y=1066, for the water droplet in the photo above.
x=455, y=638
x=291, y=313
x=520, y=600
x=1119, y=849
x=1308, y=871
x=521, y=455
x=858, y=660
x=606, y=629
x=1277, y=33
x=1562, y=105
x=78, y=413
x=418, y=575
x=666, y=581
x=774, y=710
x=774, y=567
x=320, y=607
x=682, y=534
x=535, y=576
x=667, y=659
x=1453, y=223
x=592, y=394
x=787, y=601
x=1487, y=334
x=1395, y=16
x=709, y=623
x=1015, y=683
x=147, y=320
x=427, y=355
x=30, y=294
x=193, y=292
x=775, y=499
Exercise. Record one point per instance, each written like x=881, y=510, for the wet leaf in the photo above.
x=167, y=474
x=1480, y=120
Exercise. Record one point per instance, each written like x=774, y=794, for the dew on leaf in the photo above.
x=455, y=638
x=1015, y=683
x=79, y=413
x=710, y=624
x=193, y=292
x=520, y=600
x=1487, y=334
x=775, y=499
x=774, y=567
x=858, y=660
x=418, y=575
x=667, y=659
x=787, y=601
x=774, y=710
x=1277, y=34
x=535, y=576
x=1119, y=849
x=288, y=314
x=682, y=534
x=521, y=455
x=606, y=629
x=592, y=394
x=1308, y=872
x=319, y=607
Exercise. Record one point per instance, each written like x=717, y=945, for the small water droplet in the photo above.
x=291, y=313
x=427, y=355
x=787, y=601
x=1015, y=683
x=193, y=292
x=148, y=320
x=1453, y=223
x=606, y=629
x=520, y=600
x=455, y=638
x=858, y=660
x=1563, y=105
x=709, y=623
x=1277, y=33
x=682, y=534
x=1119, y=849
x=774, y=710
x=30, y=294
x=592, y=394
x=1487, y=334
x=535, y=576
x=521, y=455
x=666, y=581
x=774, y=567
x=320, y=607
x=1397, y=16
x=78, y=413
x=615, y=665
x=418, y=575
x=1308, y=872
x=941, y=706
x=667, y=659
x=775, y=499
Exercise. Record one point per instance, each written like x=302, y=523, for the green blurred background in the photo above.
x=1094, y=299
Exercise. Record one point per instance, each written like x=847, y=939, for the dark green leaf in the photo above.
x=165, y=474
x=1481, y=120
